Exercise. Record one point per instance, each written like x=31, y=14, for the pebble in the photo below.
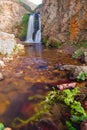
x=7, y=128
x=1, y=76
x=2, y=64
x=8, y=59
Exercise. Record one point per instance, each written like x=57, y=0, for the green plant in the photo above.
x=25, y=19
x=77, y=54
x=2, y=126
x=44, y=108
x=69, y=125
x=46, y=42
x=82, y=44
x=55, y=44
x=67, y=97
x=81, y=76
x=23, y=27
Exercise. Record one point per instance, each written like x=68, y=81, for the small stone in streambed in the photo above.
x=66, y=86
x=2, y=64
x=42, y=67
x=1, y=77
x=8, y=59
x=7, y=128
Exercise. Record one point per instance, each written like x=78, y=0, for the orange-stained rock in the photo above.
x=64, y=20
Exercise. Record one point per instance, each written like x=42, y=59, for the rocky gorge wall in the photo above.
x=11, y=14
x=64, y=20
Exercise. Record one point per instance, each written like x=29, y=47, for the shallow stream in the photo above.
x=32, y=74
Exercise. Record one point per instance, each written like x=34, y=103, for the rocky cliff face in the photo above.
x=64, y=20
x=29, y=4
x=11, y=13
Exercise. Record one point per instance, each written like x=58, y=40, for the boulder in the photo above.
x=7, y=43
x=73, y=70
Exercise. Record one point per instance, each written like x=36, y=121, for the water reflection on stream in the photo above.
x=27, y=76
x=35, y=50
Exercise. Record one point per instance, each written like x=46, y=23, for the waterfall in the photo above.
x=34, y=29
x=30, y=29
x=38, y=33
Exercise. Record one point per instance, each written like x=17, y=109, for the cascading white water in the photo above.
x=38, y=34
x=32, y=35
x=38, y=37
x=30, y=30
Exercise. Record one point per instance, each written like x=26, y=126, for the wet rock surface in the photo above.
x=74, y=70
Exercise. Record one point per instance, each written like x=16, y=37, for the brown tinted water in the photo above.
x=30, y=75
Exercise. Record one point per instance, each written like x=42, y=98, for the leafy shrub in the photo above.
x=69, y=126
x=2, y=126
x=66, y=97
x=81, y=76
x=52, y=43
x=77, y=54
x=23, y=27
x=82, y=44
x=46, y=42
